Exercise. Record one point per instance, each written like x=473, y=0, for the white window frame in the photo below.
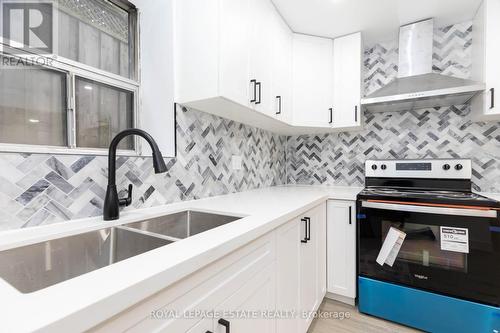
x=74, y=69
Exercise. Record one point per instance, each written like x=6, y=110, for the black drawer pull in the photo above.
x=259, y=84
x=492, y=94
x=279, y=104
x=254, y=99
x=226, y=324
x=308, y=221
x=356, y=114
x=331, y=115
x=305, y=231
x=350, y=214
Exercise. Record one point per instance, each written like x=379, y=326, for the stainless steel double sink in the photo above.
x=40, y=265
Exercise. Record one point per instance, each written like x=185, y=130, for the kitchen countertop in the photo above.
x=85, y=301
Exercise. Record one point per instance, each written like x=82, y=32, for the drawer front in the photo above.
x=176, y=309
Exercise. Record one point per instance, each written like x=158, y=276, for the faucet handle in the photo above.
x=128, y=200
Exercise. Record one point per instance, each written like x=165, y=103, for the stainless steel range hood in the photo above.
x=417, y=87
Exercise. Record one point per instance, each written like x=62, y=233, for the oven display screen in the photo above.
x=414, y=166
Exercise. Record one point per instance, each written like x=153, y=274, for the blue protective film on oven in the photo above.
x=425, y=310
x=495, y=229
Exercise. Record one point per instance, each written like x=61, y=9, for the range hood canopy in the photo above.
x=417, y=86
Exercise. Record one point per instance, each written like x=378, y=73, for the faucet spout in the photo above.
x=112, y=203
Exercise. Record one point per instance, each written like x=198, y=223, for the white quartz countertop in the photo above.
x=82, y=302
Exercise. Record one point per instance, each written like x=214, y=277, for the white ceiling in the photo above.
x=378, y=19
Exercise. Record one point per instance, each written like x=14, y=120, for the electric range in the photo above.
x=445, y=250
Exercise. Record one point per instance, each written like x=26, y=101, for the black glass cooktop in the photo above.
x=430, y=196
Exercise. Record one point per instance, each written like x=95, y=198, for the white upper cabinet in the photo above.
x=327, y=81
x=347, y=73
x=239, y=60
x=281, y=69
x=485, y=65
x=236, y=30
x=260, y=47
x=224, y=59
x=312, y=80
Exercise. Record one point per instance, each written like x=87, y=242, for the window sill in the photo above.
x=54, y=150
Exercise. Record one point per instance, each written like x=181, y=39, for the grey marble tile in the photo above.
x=32, y=192
x=59, y=182
x=9, y=188
x=37, y=219
x=59, y=167
x=58, y=210
x=34, y=206
x=81, y=163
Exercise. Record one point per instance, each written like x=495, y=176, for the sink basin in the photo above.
x=37, y=266
x=183, y=224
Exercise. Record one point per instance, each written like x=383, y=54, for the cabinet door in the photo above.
x=281, y=69
x=257, y=294
x=341, y=243
x=347, y=64
x=312, y=80
x=320, y=215
x=260, y=54
x=312, y=263
x=288, y=248
x=485, y=66
x=234, y=42
x=308, y=276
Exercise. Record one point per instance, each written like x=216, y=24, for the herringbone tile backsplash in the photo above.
x=338, y=159
x=41, y=189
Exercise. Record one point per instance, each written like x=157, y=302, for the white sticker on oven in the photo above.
x=455, y=239
x=390, y=247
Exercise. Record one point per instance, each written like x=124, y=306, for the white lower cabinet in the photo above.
x=284, y=270
x=288, y=248
x=246, y=309
x=301, y=283
x=341, y=250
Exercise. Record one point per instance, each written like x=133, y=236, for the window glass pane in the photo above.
x=33, y=106
x=96, y=33
x=102, y=112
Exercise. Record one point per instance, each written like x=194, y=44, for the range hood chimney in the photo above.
x=416, y=86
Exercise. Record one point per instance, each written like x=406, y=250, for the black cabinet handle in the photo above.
x=279, y=104
x=305, y=231
x=331, y=115
x=254, y=99
x=492, y=94
x=356, y=113
x=259, y=84
x=208, y=332
x=350, y=214
x=308, y=221
x=226, y=324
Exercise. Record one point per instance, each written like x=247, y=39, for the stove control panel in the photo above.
x=438, y=168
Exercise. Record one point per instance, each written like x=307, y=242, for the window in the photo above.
x=81, y=94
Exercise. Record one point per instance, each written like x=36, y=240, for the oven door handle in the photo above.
x=430, y=209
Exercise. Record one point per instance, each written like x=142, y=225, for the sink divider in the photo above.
x=149, y=233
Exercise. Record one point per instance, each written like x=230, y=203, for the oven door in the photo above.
x=454, y=252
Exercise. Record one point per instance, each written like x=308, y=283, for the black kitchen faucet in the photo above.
x=112, y=203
